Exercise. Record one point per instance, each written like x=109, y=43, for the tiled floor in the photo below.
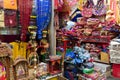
x=112, y=78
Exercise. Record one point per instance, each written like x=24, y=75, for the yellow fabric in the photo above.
x=80, y=4
x=1, y=18
x=10, y=4
x=104, y=57
x=118, y=11
x=19, y=49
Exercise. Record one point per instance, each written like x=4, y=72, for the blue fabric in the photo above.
x=74, y=19
x=70, y=54
x=43, y=10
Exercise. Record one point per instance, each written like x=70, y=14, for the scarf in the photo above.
x=25, y=9
x=43, y=15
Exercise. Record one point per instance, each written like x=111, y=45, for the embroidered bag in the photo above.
x=92, y=21
x=100, y=8
x=1, y=18
x=10, y=18
x=81, y=20
x=87, y=9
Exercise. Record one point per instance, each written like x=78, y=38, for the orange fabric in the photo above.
x=113, y=7
x=10, y=4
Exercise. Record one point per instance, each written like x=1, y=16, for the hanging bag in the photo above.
x=10, y=18
x=10, y=4
x=99, y=9
x=87, y=9
x=1, y=18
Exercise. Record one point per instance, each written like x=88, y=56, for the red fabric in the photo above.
x=10, y=18
x=116, y=70
x=56, y=4
x=25, y=8
x=71, y=76
x=3, y=78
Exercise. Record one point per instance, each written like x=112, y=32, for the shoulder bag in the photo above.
x=87, y=9
x=99, y=9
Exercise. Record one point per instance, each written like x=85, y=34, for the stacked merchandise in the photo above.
x=114, y=57
x=94, y=24
x=8, y=16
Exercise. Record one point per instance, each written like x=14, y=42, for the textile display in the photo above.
x=43, y=8
x=19, y=49
x=10, y=4
x=25, y=12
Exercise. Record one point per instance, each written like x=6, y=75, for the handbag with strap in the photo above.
x=10, y=4
x=2, y=18
x=10, y=18
x=87, y=9
x=99, y=9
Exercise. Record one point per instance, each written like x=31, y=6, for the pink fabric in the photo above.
x=1, y=3
x=72, y=2
x=56, y=3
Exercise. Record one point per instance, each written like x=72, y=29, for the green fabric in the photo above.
x=68, y=50
x=59, y=53
x=88, y=71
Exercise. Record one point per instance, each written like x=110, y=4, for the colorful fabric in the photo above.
x=56, y=4
x=2, y=72
x=113, y=7
x=118, y=11
x=99, y=9
x=43, y=8
x=2, y=18
x=80, y=4
x=25, y=9
x=10, y=4
x=19, y=49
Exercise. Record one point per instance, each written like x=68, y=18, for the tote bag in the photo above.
x=87, y=9
x=10, y=4
x=1, y=18
x=99, y=9
x=10, y=18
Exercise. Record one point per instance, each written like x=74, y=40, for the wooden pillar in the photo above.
x=52, y=33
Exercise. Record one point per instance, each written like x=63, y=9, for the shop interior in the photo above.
x=59, y=39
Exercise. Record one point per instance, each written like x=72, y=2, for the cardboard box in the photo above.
x=103, y=67
x=104, y=57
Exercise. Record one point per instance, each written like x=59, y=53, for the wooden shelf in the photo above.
x=101, y=61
